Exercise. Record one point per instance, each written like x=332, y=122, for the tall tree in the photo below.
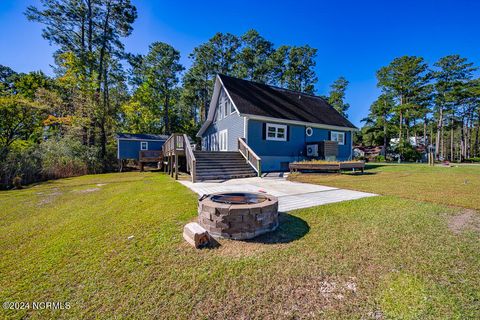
x=253, y=58
x=379, y=118
x=337, y=96
x=91, y=30
x=406, y=79
x=158, y=74
x=300, y=74
x=451, y=73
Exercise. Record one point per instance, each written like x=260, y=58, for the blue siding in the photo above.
x=273, y=153
x=129, y=149
x=233, y=123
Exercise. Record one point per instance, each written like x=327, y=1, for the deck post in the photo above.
x=171, y=166
x=176, y=166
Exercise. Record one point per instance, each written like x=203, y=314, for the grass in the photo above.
x=70, y=240
x=325, y=162
x=456, y=186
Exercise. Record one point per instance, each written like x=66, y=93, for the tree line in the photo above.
x=65, y=124
x=436, y=106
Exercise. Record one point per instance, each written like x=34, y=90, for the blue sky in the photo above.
x=353, y=38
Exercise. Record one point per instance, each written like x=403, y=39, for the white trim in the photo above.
x=118, y=148
x=245, y=128
x=301, y=123
x=141, y=145
x=127, y=139
x=213, y=104
x=276, y=126
x=307, y=129
x=223, y=140
x=338, y=133
x=226, y=91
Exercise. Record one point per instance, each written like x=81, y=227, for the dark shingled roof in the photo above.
x=268, y=101
x=142, y=136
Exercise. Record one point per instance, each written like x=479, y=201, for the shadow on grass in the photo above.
x=290, y=228
x=369, y=166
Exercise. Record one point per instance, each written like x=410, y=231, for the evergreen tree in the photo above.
x=337, y=96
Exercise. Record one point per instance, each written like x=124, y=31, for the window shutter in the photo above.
x=329, y=135
x=264, y=131
x=288, y=133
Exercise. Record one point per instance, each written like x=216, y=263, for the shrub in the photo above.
x=66, y=157
x=407, y=152
x=380, y=158
x=17, y=182
x=474, y=159
x=22, y=161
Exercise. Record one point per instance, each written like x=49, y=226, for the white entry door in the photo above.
x=223, y=140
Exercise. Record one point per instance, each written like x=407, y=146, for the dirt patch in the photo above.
x=241, y=249
x=293, y=297
x=48, y=197
x=467, y=219
x=87, y=190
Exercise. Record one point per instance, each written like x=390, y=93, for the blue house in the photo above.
x=279, y=125
x=129, y=145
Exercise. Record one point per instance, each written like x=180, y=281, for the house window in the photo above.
x=276, y=132
x=225, y=107
x=230, y=106
x=143, y=145
x=309, y=131
x=338, y=136
x=223, y=140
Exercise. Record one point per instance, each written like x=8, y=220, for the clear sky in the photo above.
x=353, y=38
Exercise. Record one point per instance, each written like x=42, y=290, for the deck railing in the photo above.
x=190, y=156
x=250, y=156
x=179, y=145
x=150, y=155
x=173, y=145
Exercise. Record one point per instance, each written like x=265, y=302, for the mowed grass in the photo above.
x=458, y=185
x=380, y=257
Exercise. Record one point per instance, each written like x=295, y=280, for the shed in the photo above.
x=129, y=145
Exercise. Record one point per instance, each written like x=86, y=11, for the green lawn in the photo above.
x=389, y=257
x=458, y=185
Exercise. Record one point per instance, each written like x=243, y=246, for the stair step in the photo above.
x=223, y=177
x=220, y=157
x=207, y=163
x=232, y=170
x=223, y=166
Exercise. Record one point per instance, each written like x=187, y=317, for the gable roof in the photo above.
x=141, y=136
x=259, y=99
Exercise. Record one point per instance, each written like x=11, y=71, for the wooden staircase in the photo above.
x=219, y=165
x=209, y=165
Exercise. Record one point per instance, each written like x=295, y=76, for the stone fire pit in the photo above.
x=238, y=215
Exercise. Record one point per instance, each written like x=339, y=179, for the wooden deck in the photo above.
x=150, y=156
x=334, y=166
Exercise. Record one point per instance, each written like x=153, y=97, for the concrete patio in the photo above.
x=291, y=195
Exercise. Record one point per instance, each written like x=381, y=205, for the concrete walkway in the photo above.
x=291, y=195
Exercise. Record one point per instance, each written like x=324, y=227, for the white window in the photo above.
x=219, y=112
x=230, y=106
x=213, y=141
x=338, y=136
x=225, y=106
x=223, y=140
x=276, y=132
x=143, y=145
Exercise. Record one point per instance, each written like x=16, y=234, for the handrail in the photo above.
x=252, y=158
x=173, y=144
x=191, y=161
